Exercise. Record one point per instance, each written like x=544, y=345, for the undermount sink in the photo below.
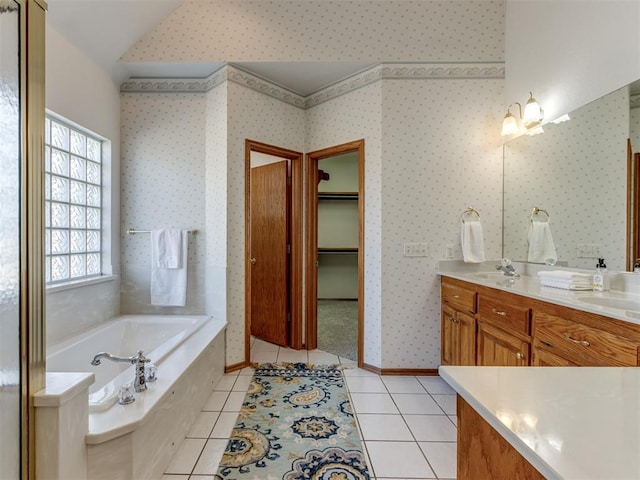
x=612, y=302
x=492, y=276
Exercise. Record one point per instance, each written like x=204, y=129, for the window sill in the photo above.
x=80, y=283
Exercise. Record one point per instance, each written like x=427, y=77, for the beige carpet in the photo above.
x=338, y=327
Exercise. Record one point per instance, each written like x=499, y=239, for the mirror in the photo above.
x=576, y=171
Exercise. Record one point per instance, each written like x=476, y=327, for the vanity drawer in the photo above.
x=583, y=344
x=505, y=314
x=458, y=297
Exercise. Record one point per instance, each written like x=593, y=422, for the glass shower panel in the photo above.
x=10, y=405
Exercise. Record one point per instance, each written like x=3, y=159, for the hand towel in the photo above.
x=472, y=241
x=541, y=246
x=169, y=285
x=168, y=244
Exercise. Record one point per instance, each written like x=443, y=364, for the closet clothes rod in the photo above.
x=133, y=231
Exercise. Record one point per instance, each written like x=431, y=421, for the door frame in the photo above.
x=311, y=260
x=295, y=226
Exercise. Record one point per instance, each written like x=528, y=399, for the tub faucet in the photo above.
x=139, y=382
x=506, y=267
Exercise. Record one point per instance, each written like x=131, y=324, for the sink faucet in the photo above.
x=506, y=267
x=139, y=382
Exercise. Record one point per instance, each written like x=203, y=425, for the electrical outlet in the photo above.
x=415, y=249
x=588, y=250
x=448, y=252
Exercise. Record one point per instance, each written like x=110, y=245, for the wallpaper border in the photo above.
x=230, y=73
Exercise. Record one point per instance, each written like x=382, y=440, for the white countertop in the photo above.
x=529, y=286
x=579, y=423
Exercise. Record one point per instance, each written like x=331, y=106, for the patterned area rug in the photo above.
x=295, y=423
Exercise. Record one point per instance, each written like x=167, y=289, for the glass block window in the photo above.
x=73, y=203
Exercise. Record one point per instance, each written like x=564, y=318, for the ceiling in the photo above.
x=105, y=29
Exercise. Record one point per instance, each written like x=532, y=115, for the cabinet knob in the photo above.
x=253, y=261
x=519, y=356
x=456, y=296
x=498, y=312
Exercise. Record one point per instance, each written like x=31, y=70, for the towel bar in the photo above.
x=469, y=211
x=537, y=211
x=133, y=231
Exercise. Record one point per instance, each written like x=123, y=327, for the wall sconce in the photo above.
x=531, y=118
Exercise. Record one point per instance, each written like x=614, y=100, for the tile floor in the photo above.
x=408, y=424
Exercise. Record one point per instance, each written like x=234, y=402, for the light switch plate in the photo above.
x=588, y=250
x=415, y=250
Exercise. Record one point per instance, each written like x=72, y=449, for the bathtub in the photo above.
x=156, y=335
x=137, y=441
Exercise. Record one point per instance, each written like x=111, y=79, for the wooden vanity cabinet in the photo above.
x=458, y=345
x=504, y=327
x=490, y=327
x=568, y=337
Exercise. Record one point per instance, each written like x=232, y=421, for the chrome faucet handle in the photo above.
x=140, y=381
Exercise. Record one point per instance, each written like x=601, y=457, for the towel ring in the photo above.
x=537, y=211
x=469, y=211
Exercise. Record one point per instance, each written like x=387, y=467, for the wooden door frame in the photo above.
x=295, y=277
x=311, y=266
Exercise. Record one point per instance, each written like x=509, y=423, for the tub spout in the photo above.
x=139, y=382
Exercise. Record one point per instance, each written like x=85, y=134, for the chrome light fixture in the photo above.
x=532, y=118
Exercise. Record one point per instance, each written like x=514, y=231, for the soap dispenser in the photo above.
x=600, y=277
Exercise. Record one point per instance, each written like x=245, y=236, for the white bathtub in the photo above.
x=134, y=441
x=156, y=335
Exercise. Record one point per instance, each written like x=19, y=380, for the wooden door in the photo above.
x=269, y=257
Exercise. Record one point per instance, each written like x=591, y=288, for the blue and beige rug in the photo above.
x=296, y=423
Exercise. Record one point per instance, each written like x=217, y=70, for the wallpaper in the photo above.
x=257, y=117
x=426, y=160
x=430, y=144
x=441, y=152
x=351, y=117
x=162, y=186
x=315, y=30
x=576, y=171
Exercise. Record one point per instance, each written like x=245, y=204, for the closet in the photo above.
x=338, y=239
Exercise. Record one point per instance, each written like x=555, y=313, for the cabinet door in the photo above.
x=499, y=348
x=466, y=339
x=543, y=358
x=448, y=336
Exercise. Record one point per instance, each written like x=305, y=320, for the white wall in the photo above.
x=80, y=91
x=569, y=53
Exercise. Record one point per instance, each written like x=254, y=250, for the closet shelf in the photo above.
x=338, y=195
x=338, y=250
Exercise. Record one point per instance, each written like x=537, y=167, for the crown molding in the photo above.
x=175, y=85
x=383, y=71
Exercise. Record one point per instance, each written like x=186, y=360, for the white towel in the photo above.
x=541, y=246
x=472, y=241
x=168, y=244
x=169, y=285
x=566, y=285
x=564, y=275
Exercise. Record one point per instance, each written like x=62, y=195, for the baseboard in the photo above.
x=235, y=366
x=419, y=372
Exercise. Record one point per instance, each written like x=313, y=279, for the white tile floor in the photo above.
x=408, y=424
